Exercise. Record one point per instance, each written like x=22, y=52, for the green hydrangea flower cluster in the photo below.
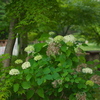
x=89, y=82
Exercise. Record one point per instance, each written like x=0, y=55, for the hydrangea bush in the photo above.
x=55, y=71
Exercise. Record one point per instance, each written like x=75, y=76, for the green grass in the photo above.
x=91, y=47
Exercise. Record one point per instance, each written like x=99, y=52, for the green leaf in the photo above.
x=90, y=62
x=72, y=97
x=64, y=65
x=44, y=37
x=16, y=87
x=26, y=85
x=64, y=74
x=69, y=62
x=67, y=79
x=61, y=58
x=26, y=71
x=74, y=76
x=60, y=89
x=77, y=80
x=75, y=59
x=39, y=81
x=33, y=82
x=72, y=80
x=58, y=69
x=29, y=94
x=55, y=75
x=40, y=92
x=46, y=70
x=98, y=66
x=48, y=77
x=64, y=48
x=70, y=70
x=38, y=46
x=68, y=52
x=97, y=72
x=84, y=44
x=66, y=85
x=96, y=60
x=28, y=77
x=81, y=86
x=52, y=69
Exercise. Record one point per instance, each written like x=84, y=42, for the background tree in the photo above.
x=3, y=21
x=42, y=17
x=78, y=13
x=26, y=16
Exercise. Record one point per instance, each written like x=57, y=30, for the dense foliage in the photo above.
x=3, y=21
x=52, y=70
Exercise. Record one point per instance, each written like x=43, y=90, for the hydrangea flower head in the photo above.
x=58, y=38
x=89, y=82
x=51, y=33
x=50, y=40
x=87, y=70
x=38, y=57
x=18, y=61
x=14, y=72
x=55, y=82
x=69, y=39
x=29, y=49
x=26, y=65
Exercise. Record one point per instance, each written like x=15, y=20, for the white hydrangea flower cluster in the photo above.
x=14, y=72
x=29, y=49
x=58, y=38
x=18, y=61
x=26, y=65
x=87, y=70
x=38, y=57
x=69, y=38
x=50, y=40
x=51, y=33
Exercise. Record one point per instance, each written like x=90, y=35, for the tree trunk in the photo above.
x=10, y=43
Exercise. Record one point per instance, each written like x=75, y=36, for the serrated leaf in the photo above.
x=16, y=87
x=61, y=58
x=58, y=69
x=90, y=62
x=66, y=85
x=67, y=79
x=68, y=52
x=55, y=75
x=77, y=80
x=38, y=46
x=97, y=72
x=40, y=92
x=64, y=48
x=69, y=62
x=74, y=76
x=28, y=77
x=64, y=74
x=60, y=89
x=29, y=94
x=26, y=85
x=46, y=70
x=44, y=37
x=26, y=71
x=48, y=77
x=98, y=66
x=75, y=59
x=39, y=81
